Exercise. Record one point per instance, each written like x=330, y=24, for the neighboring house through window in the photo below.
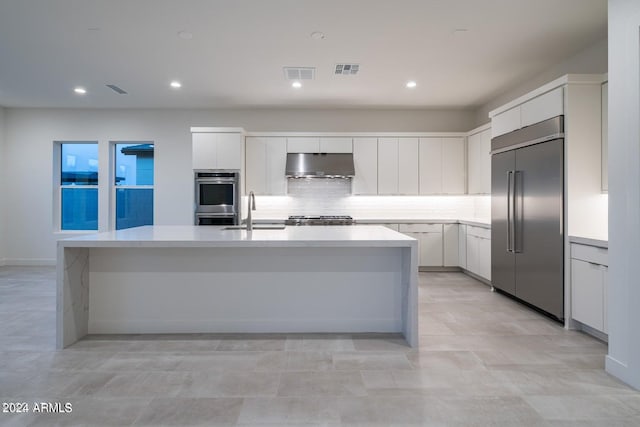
x=134, y=171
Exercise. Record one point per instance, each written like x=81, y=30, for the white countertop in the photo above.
x=474, y=222
x=214, y=236
x=589, y=242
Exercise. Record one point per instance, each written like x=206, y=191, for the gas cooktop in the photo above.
x=319, y=220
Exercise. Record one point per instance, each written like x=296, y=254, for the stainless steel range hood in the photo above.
x=320, y=165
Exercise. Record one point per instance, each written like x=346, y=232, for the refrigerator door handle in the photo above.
x=517, y=201
x=510, y=205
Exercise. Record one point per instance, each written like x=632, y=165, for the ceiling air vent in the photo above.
x=117, y=89
x=299, y=73
x=347, y=69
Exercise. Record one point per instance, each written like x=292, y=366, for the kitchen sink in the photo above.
x=257, y=227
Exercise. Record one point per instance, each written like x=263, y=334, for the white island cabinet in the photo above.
x=189, y=279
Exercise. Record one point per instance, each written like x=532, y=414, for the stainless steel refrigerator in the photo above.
x=527, y=215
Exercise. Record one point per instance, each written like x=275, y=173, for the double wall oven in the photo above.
x=217, y=197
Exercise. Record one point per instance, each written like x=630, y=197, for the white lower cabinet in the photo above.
x=589, y=277
x=484, y=258
x=450, y=245
x=462, y=246
x=429, y=238
x=479, y=251
x=473, y=262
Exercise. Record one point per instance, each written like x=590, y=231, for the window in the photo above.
x=134, y=184
x=79, y=186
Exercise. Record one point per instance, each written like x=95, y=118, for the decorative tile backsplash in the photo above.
x=333, y=197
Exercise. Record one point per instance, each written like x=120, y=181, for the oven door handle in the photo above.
x=216, y=180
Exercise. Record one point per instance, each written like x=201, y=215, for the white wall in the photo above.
x=29, y=148
x=623, y=359
x=592, y=60
x=3, y=185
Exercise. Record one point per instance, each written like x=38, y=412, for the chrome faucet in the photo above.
x=251, y=206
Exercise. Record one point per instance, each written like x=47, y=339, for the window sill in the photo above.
x=73, y=232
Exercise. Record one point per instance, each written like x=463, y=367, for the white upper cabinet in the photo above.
x=542, y=107
x=311, y=144
x=430, y=165
x=365, y=159
x=217, y=150
x=204, y=150
x=442, y=166
x=479, y=162
x=546, y=106
x=453, y=167
x=408, y=166
x=303, y=144
x=336, y=145
x=505, y=122
x=265, y=165
x=387, y=165
x=398, y=166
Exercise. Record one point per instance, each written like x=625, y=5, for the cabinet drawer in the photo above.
x=589, y=254
x=484, y=233
x=587, y=293
x=420, y=228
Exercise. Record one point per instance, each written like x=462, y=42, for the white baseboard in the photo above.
x=621, y=371
x=28, y=262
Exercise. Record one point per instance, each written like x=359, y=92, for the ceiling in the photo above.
x=238, y=49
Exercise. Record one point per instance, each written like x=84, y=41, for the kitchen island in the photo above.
x=189, y=279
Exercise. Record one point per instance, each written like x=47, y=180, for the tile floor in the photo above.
x=484, y=360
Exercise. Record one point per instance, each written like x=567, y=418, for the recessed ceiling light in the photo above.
x=185, y=35
x=175, y=84
x=411, y=84
x=460, y=31
x=296, y=85
x=317, y=35
x=80, y=90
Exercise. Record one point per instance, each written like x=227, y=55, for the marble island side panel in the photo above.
x=386, y=274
